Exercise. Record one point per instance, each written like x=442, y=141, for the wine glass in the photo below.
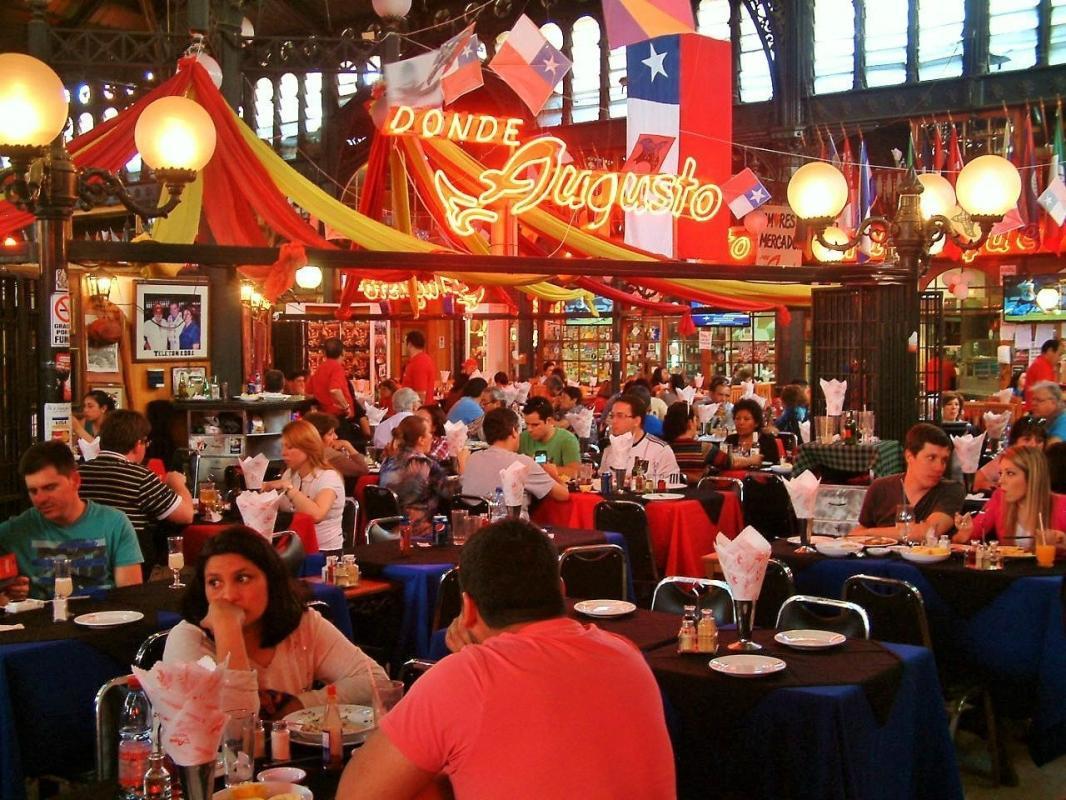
x=904, y=522
x=64, y=583
x=176, y=560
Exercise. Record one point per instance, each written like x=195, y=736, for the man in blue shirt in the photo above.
x=468, y=408
x=98, y=540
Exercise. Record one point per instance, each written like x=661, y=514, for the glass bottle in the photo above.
x=183, y=387
x=686, y=637
x=332, y=732
x=280, y=742
x=134, y=741
x=157, y=781
x=707, y=632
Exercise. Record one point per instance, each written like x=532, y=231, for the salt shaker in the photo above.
x=279, y=742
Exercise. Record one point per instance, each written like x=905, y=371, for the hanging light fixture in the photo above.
x=309, y=277
x=99, y=285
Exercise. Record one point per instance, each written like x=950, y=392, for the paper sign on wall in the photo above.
x=60, y=316
x=705, y=339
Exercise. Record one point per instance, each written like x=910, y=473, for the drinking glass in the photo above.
x=866, y=425
x=176, y=559
x=64, y=584
x=825, y=428
x=1045, y=548
x=387, y=694
x=238, y=746
x=459, y=517
x=744, y=614
x=585, y=473
x=904, y=521
x=806, y=529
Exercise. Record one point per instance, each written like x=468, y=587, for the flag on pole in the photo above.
x=648, y=153
x=954, y=164
x=867, y=196
x=1028, y=203
x=529, y=64
x=632, y=21
x=463, y=71
x=939, y=154
x=848, y=219
x=414, y=82
x=744, y=192
x=1053, y=200
x=1054, y=234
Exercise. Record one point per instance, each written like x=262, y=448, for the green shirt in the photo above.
x=562, y=449
x=101, y=539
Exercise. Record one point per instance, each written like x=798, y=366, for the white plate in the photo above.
x=804, y=639
x=839, y=548
x=781, y=469
x=305, y=724
x=106, y=619
x=664, y=496
x=817, y=538
x=281, y=775
x=604, y=608
x=910, y=554
x=266, y=790
x=747, y=666
x=880, y=551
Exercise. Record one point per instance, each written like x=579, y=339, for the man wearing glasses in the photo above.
x=627, y=417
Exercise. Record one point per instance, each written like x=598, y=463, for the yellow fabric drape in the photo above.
x=792, y=294
x=183, y=223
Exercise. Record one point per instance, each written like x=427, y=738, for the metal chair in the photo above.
x=789, y=441
x=777, y=586
x=412, y=670
x=380, y=502
x=723, y=485
x=631, y=520
x=449, y=599
x=382, y=529
x=677, y=591
x=823, y=614
x=348, y=518
x=594, y=571
x=108, y=710
x=290, y=547
x=151, y=650
x=471, y=503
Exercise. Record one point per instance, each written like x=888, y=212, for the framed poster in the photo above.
x=170, y=321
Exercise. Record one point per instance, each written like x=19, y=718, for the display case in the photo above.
x=298, y=345
x=585, y=349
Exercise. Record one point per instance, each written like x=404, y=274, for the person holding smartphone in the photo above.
x=555, y=449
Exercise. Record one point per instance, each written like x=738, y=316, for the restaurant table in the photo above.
x=196, y=534
x=863, y=721
x=682, y=531
x=50, y=673
x=884, y=457
x=1004, y=626
x=419, y=574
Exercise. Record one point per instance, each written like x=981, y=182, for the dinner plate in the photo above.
x=814, y=539
x=839, y=548
x=804, y=639
x=107, y=619
x=604, y=608
x=925, y=555
x=262, y=791
x=664, y=496
x=306, y=724
x=1011, y=551
x=874, y=541
x=747, y=666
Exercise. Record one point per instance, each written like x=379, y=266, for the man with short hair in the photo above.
x=628, y=416
x=720, y=393
x=467, y=408
x=274, y=381
x=935, y=501
x=1045, y=401
x=1045, y=367
x=404, y=403
x=420, y=373
x=98, y=540
x=117, y=478
x=482, y=473
x=653, y=422
x=523, y=672
x=296, y=382
x=569, y=400
x=329, y=383
x=561, y=448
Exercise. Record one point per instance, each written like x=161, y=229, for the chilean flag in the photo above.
x=680, y=86
x=529, y=64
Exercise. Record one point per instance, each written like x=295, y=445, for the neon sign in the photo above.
x=432, y=123
x=426, y=290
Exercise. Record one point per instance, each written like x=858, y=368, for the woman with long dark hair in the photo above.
x=96, y=405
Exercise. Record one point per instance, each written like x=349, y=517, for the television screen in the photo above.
x=1033, y=299
x=722, y=319
x=604, y=307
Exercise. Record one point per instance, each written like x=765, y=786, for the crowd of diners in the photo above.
x=515, y=651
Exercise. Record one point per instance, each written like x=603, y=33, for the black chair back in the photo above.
x=895, y=608
x=380, y=502
x=383, y=529
x=151, y=650
x=348, y=517
x=767, y=506
x=412, y=670
x=675, y=592
x=596, y=571
x=723, y=484
x=790, y=442
x=449, y=599
x=291, y=549
x=470, y=503
x=631, y=520
x=777, y=586
x=806, y=612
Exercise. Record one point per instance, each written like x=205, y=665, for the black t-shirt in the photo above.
x=885, y=494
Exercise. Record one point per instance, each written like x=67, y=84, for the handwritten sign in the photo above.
x=776, y=244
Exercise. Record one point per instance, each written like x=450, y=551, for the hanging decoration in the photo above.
x=425, y=291
x=529, y=64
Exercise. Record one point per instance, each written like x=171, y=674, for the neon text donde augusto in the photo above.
x=535, y=173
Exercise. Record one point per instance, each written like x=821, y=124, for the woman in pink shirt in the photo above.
x=1023, y=502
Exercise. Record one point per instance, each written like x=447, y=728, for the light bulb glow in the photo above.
x=175, y=133
x=1048, y=298
x=826, y=255
x=988, y=186
x=33, y=102
x=817, y=190
x=938, y=195
x=309, y=277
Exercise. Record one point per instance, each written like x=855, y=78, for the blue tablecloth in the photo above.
x=46, y=700
x=1017, y=641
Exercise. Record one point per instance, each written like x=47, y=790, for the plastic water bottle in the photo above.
x=134, y=742
x=499, y=507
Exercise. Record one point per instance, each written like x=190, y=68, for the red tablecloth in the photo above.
x=196, y=535
x=681, y=532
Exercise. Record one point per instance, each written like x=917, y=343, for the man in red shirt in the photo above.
x=1044, y=368
x=329, y=385
x=420, y=373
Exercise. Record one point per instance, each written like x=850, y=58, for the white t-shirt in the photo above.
x=328, y=530
x=383, y=432
x=662, y=463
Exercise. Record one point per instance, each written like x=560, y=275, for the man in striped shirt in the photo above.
x=117, y=478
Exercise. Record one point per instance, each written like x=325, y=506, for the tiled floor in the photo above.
x=1035, y=783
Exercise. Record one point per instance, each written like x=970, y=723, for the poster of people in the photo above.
x=171, y=321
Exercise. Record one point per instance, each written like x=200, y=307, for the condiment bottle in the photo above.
x=686, y=637
x=332, y=732
x=707, y=633
x=279, y=742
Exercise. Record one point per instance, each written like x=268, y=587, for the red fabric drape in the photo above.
x=711, y=298
x=279, y=277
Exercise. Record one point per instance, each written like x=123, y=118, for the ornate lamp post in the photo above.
x=174, y=135
x=392, y=13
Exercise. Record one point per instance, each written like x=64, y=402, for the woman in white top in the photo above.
x=310, y=484
x=241, y=605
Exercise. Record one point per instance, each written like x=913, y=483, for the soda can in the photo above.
x=605, y=483
x=441, y=530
